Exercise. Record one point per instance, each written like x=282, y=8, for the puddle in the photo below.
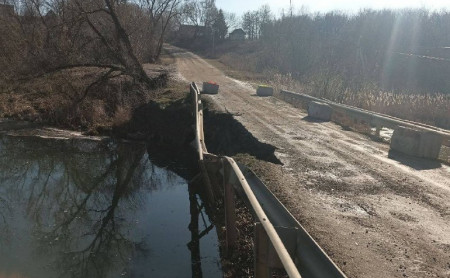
x=105, y=212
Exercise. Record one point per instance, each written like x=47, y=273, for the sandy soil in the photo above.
x=375, y=216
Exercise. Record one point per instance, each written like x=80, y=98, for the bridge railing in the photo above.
x=280, y=241
x=372, y=119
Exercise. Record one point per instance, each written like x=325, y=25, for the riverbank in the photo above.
x=164, y=120
x=81, y=100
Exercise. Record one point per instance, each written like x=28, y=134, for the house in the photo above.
x=237, y=35
x=192, y=31
x=6, y=10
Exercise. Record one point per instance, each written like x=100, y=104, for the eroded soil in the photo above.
x=376, y=214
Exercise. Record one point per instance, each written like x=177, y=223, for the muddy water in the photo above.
x=98, y=210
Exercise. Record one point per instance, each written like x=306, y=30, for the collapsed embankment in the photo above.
x=171, y=135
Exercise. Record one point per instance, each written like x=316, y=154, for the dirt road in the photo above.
x=375, y=216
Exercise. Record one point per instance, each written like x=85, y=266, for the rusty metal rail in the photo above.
x=374, y=119
x=277, y=229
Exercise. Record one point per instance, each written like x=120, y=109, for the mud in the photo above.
x=377, y=214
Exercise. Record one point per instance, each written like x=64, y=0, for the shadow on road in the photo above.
x=256, y=95
x=414, y=162
x=313, y=120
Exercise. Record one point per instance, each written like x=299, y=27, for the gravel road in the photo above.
x=375, y=216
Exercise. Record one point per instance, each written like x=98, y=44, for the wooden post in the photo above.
x=261, y=252
x=266, y=258
x=230, y=209
x=230, y=218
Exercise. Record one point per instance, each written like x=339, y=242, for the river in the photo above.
x=98, y=209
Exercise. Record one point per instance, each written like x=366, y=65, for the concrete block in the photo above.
x=264, y=91
x=430, y=144
x=320, y=111
x=210, y=88
x=416, y=142
x=406, y=140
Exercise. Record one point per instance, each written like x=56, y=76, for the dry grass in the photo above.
x=60, y=99
x=433, y=109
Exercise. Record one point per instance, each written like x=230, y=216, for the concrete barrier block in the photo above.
x=264, y=91
x=320, y=111
x=210, y=88
x=416, y=142
x=430, y=144
x=405, y=140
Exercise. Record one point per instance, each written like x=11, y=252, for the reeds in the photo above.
x=428, y=108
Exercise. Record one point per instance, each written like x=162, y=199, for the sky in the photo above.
x=240, y=6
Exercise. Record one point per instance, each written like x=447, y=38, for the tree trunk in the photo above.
x=132, y=64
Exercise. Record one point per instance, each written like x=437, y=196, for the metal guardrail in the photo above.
x=309, y=258
x=198, y=112
x=295, y=250
x=372, y=118
x=270, y=230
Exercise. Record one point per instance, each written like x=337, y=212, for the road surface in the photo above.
x=375, y=216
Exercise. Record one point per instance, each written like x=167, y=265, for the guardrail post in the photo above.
x=230, y=218
x=266, y=258
x=230, y=209
x=261, y=252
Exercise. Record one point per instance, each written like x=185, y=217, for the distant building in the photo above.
x=237, y=35
x=6, y=10
x=192, y=31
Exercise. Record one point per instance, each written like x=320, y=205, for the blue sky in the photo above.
x=240, y=6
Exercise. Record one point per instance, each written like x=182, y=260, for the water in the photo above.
x=98, y=210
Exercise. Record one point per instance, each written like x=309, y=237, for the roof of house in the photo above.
x=237, y=31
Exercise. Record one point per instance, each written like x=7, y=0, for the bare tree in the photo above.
x=161, y=13
x=251, y=24
x=192, y=13
x=233, y=21
x=63, y=34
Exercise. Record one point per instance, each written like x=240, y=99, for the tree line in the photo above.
x=407, y=50
x=204, y=14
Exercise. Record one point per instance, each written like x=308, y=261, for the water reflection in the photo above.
x=197, y=213
x=104, y=212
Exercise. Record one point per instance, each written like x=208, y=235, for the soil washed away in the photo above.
x=98, y=210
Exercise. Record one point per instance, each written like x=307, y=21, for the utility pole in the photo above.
x=213, y=42
x=290, y=6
